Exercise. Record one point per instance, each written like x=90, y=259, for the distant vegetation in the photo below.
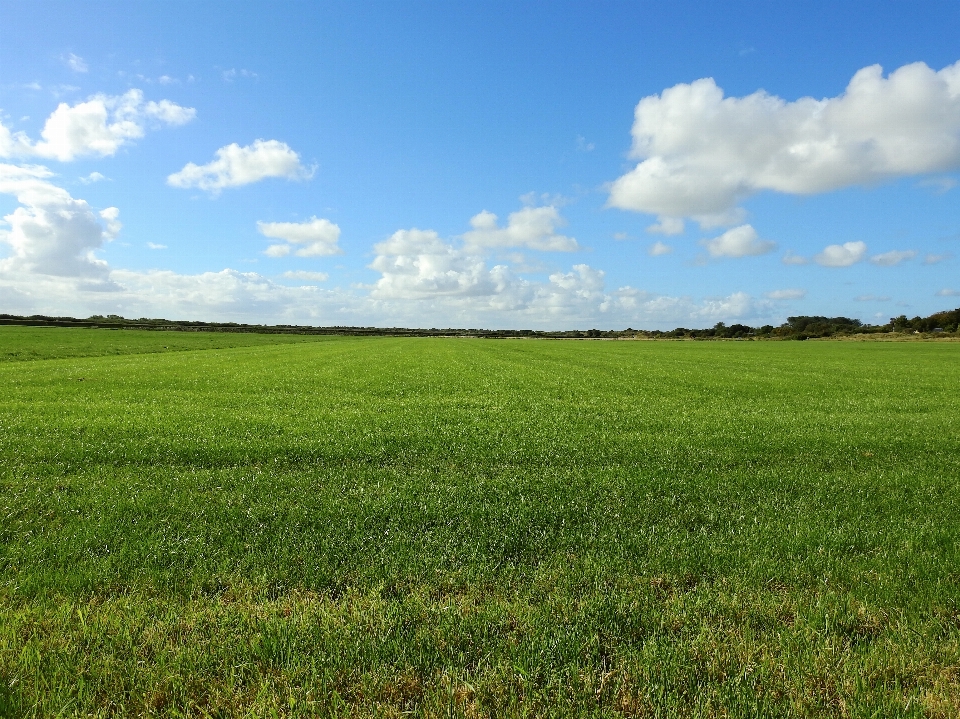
x=795, y=328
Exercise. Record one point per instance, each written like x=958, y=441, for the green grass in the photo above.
x=32, y=343
x=355, y=526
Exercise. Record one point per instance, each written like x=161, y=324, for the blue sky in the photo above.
x=342, y=163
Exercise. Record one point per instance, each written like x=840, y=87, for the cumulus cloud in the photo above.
x=657, y=249
x=51, y=232
x=790, y=294
x=849, y=253
x=702, y=153
x=235, y=166
x=794, y=259
x=156, y=246
x=932, y=259
x=532, y=227
x=948, y=293
x=667, y=226
x=417, y=264
x=314, y=238
x=740, y=241
x=92, y=177
x=893, y=258
x=419, y=268
x=98, y=127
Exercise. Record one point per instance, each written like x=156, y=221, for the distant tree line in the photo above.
x=795, y=328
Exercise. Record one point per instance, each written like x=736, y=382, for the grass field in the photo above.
x=244, y=525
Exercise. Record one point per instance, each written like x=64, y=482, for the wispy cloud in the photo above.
x=233, y=73
x=75, y=62
x=893, y=257
x=788, y=294
x=940, y=185
x=305, y=275
x=92, y=177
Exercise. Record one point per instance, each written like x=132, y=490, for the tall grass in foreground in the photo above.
x=340, y=527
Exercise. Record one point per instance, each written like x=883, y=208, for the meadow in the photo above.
x=196, y=524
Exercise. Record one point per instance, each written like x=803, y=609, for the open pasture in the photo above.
x=326, y=526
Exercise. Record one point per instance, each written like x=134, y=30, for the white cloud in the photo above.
x=318, y=236
x=416, y=264
x=232, y=74
x=532, y=227
x=419, y=269
x=702, y=153
x=167, y=80
x=932, y=259
x=112, y=217
x=51, y=232
x=97, y=127
x=235, y=166
x=575, y=299
x=948, y=293
x=940, y=185
x=304, y=275
x=155, y=246
x=849, y=253
x=92, y=177
x=893, y=258
x=667, y=226
x=740, y=241
x=76, y=63
x=229, y=295
x=423, y=280
x=793, y=259
x=658, y=249
x=791, y=294
x=871, y=298
x=583, y=145
x=169, y=112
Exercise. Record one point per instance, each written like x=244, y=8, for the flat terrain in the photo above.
x=234, y=525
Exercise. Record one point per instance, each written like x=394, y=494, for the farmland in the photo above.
x=196, y=524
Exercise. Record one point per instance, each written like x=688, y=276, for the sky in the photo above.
x=543, y=165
